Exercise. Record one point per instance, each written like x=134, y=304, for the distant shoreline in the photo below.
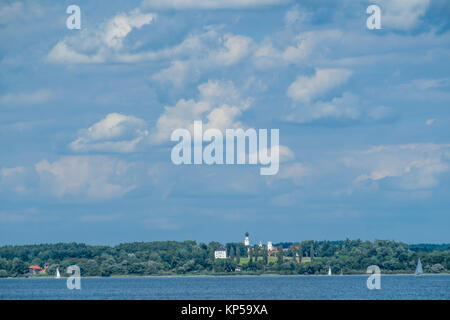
x=192, y=259
x=231, y=275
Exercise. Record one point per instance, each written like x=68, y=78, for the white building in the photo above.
x=260, y=244
x=220, y=253
x=269, y=246
x=247, y=241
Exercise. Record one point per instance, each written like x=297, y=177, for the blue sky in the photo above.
x=86, y=117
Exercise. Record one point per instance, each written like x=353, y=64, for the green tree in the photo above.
x=265, y=256
x=232, y=254
x=437, y=268
x=280, y=257
x=4, y=264
x=18, y=267
x=300, y=255
x=251, y=266
x=224, y=265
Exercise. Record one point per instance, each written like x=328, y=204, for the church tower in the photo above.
x=247, y=240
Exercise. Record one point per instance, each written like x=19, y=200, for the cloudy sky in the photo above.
x=86, y=117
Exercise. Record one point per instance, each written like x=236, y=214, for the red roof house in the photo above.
x=34, y=269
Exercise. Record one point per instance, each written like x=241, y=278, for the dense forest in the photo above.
x=190, y=257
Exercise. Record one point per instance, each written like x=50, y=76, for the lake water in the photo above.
x=238, y=287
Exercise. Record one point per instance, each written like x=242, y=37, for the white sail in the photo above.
x=329, y=271
x=419, y=269
x=58, y=275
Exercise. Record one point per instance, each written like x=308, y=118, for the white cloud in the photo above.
x=90, y=176
x=61, y=53
x=340, y=108
x=430, y=122
x=195, y=44
x=15, y=179
x=425, y=84
x=426, y=90
x=293, y=15
x=100, y=45
x=285, y=154
x=234, y=48
x=116, y=29
x=303, y=48
x=210, y=49
x=306, y=92
x=181, y=115
x=199, y=52
x=6, y=172
x=210, y=4
x=114, y=133
x=30, y=98
x=20, y=12
x=206, y=51
x=306, y=89
x=223, y=117
x=176, y=74
x=10, y=12
x=380, y=113
x=218, y=93
x=401, y=14
x=405, y=167
x=295, y=171
x=219, y=105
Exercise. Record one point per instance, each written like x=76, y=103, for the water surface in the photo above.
x=231, y=287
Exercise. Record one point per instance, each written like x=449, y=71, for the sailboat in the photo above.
x=58, y=275
x=419, y=270
x=329, y=271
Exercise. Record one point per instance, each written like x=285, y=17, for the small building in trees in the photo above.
x=220, y=253
x=34, y=269
x=272, y=252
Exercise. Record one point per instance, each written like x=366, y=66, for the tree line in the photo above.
x=190, y=257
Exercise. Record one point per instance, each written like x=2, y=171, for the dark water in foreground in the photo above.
x=239, y=287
